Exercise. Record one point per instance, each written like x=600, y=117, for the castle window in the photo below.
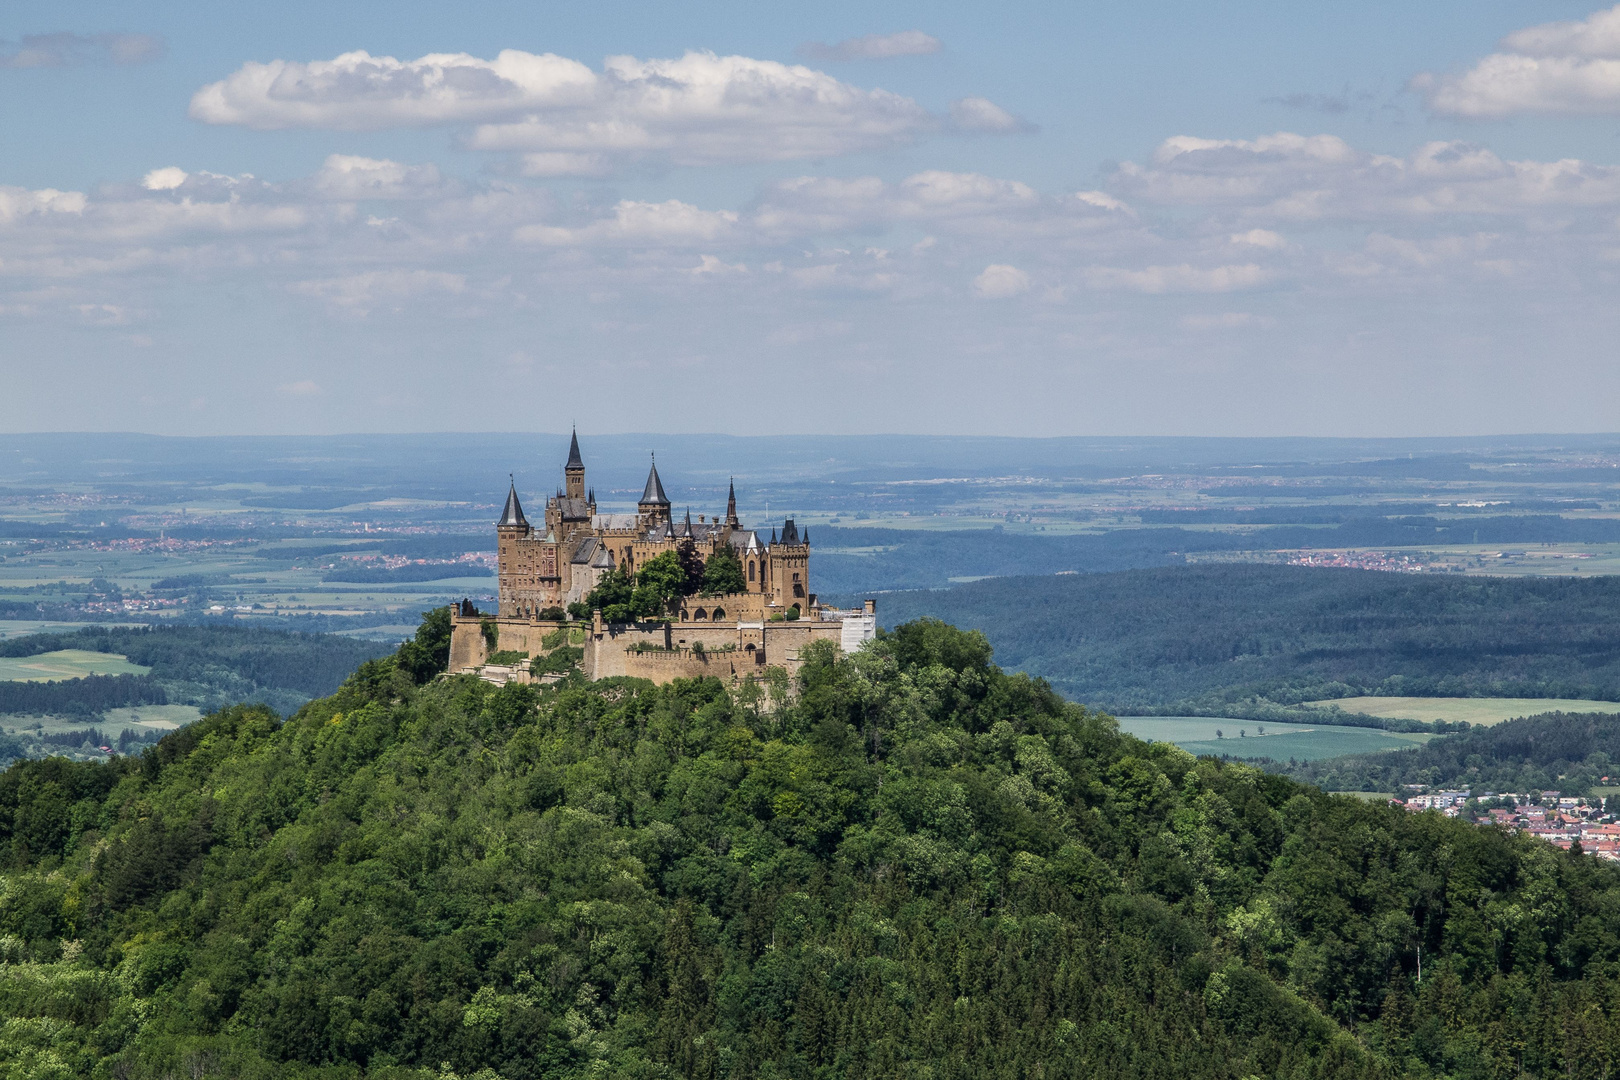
x=798, y=590
x=700, y=615
x=750, y=570
x=719, y=613
x=795, y=577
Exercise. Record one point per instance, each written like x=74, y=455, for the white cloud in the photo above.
x=64, y=49
x=1179, y=278
x=652, y=224
x=357, y=91
x=874, y=47
x=982, y=115
x=999, y=281
x=344, y=176
x=1260, y=238
x=1296, y=177
x=569, y=120
x=164, y=179
x=1560, y=67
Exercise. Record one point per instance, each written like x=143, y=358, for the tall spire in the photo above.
x=654, y=493
x=686, y=528
x=731, y=505
x=512, y=517
x=574, y=460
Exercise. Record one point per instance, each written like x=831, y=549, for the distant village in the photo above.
x=1546, y=815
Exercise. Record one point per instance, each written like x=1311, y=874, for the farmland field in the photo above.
x=1477, y=711
x=1244, y=738
x=65, y=664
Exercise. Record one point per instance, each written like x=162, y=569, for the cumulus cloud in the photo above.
x=568, y=120
x=982, y=115
x=1286, y=176
x=165, y=179
x=999, y=281
x=671, y=223
x=1561, y=67
x=64, y=49
x=344, y=176
x=874, y=47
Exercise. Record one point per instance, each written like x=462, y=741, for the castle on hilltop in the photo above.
x=545, y=571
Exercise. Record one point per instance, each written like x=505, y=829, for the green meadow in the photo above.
x=65, y=664
x=1215, y=736
x=1481, y=711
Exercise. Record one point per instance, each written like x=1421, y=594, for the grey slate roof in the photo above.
x=513, y=514
x=654, y=493
x=790, y=532
x=585, y=551
x=574, y=460
x=572, y=509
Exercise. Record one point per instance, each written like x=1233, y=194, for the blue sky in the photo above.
x=1160, y=218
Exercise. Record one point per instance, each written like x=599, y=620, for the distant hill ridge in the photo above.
x=1195, y=638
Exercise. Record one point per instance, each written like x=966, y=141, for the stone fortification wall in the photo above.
x=676, y=650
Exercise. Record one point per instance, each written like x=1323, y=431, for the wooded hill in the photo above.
x=918, y=865
x=1227, y=640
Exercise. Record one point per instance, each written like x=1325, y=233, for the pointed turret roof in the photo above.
x=512, y=516
x=574, y=460
x=790, y=532
x=654, y=493
x=731, y=504
x=686, y=528
x=773, y=536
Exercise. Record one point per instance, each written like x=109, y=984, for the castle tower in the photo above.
x=731, y=506
x=574, y=471
x=653, y=504
x=790, y=568
x=509, y=531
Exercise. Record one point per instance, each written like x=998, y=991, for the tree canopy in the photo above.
x=723, y=574
x=914, y=864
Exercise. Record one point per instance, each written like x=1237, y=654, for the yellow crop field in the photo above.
x=65, y=664
x=1478, y=711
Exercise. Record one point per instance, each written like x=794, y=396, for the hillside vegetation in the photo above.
x=1231, y=640
x=916, y=866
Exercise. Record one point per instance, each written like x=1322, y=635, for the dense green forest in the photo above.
x=206, y=666
x=89, y=696
x=1250, y=640
x=914, y=865
x=1571, y=753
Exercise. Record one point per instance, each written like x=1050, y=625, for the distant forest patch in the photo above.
x=206, y=666
x=1241, y=639
x=381, y=575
